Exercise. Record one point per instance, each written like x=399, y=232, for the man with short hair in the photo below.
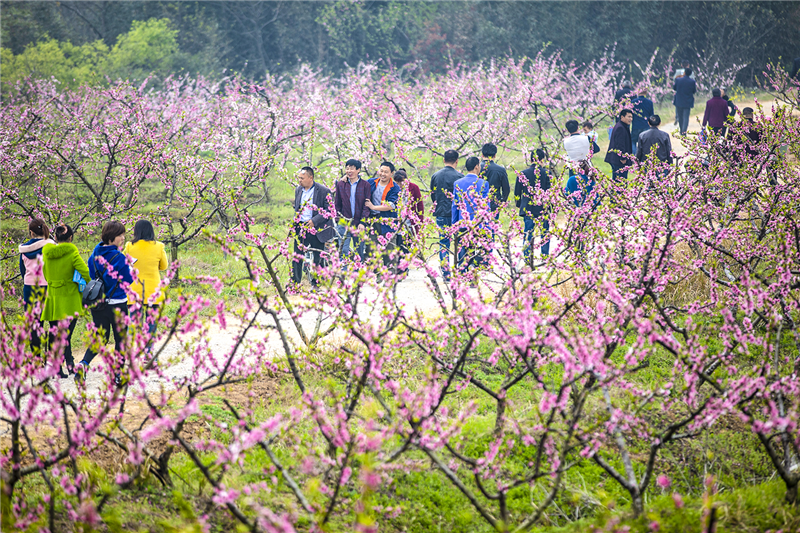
x=467, y=195
x=313, y=227
x=384, y=195
x=655, y=142
x=496, y=176
x=620, y=147
x=684, y=87
x=679, y=73
x=576, y=145
x=642, y=110
x=533, y=178
x=351, y=208
x=716, y=112
x=624, y=92
x=442, y=183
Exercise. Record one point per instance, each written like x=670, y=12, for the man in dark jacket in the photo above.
x=496, y=176
x=642, y=109
x=534, y=177
x=441, y=196
x=351, y=209
x=655, y=141
x=623, y=95
x=313, y=225
x=685, y=88
x=619, y=146
x=716, y=113
x=624, y=92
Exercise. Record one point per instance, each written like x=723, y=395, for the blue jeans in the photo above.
x=530, y=226
x=444, y=224
x=345, y=237
x=634, y=141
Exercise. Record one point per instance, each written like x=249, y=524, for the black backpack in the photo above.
x=94, y=294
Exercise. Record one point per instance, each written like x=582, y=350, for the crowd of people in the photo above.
x=383, y=213
x=55, y=275
x=366, y=210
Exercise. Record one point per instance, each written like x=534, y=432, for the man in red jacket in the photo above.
x=716, y=112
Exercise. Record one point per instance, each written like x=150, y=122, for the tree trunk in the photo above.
x=500, y=421
x=173, y=256
x=791, y=493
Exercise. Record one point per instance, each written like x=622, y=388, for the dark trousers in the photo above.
x=302, y=244
x=718, y=130
x=618, y=175
x=68, y=347
x=683, y=118
x=30, y=295
x=107, y=318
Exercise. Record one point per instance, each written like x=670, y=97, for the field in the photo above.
x=641, y=378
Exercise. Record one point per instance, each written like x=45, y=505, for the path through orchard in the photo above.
x=414, y=294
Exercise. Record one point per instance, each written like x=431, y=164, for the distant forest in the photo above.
x=256, y=37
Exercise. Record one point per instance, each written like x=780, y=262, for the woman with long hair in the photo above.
x=148, y=257
x=109, y=315
x=30, y=268
x=63, y=299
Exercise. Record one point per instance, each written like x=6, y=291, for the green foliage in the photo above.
x=277, y=36
x=150, y=47
x=357, y=30
x=71, y=65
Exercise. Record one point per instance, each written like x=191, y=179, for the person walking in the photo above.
x=732, y=109
x=716, y=113
x=679, y=73
x=576, y=145
x=657, y=142
x=149, y=258
x=496, y=176
x=409, y=195
x=469, y=196
x=684, y=87
x=313, y=226
x=63, y=298
x=383, y=201
x=642, y=110
x=351, y=209
x=34, y=283
x=441, y=188
x=109, y=315
x=580, y=186
x=623, y=93
x=533, y=178
x=620, y=147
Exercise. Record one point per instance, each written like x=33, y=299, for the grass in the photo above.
x=748, y=499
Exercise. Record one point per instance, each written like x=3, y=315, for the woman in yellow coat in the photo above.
x=148, y=258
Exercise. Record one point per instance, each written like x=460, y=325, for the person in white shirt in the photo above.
x=576, y=145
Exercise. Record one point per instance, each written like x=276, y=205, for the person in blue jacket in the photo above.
x=684, y=87
x=469, y=194
x=109, y=315
x=642, y=110
x=580, y=186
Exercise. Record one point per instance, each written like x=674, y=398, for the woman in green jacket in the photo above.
x=63, y=301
